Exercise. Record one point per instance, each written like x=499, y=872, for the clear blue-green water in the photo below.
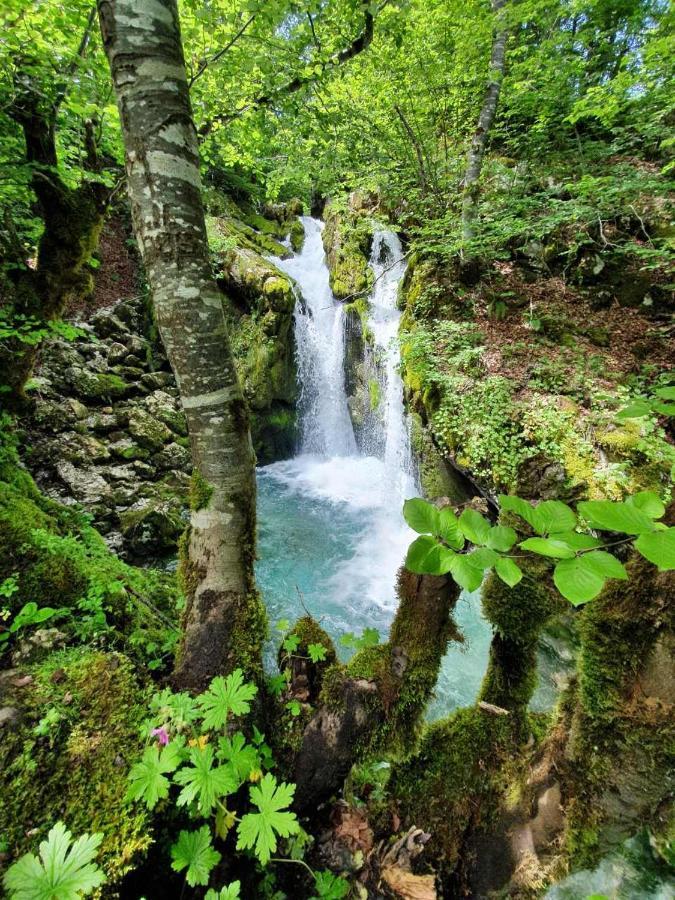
x=329, y=539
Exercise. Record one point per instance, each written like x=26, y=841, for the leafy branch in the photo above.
x=468, y=546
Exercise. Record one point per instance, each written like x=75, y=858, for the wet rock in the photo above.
x=166, y=408
x=79, y=410
x=173, y=456
x=9, y=716
x=148, y=431
x=116, y=353
x=151, y=527
x=81, y=448
x=157, y=380
x=37, y=643
x=95, y=385
x=108, y=324
x=85, y=484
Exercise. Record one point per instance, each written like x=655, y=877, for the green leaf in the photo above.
x=483, y=558
x=193, y=851
x=474, y=527
x=575, y=540
x=291, y=643
x=465, y=574
x=553, y=515
x=449, y=528
x=237, y=753
x=370, y=637
x=147, y=781
x=203, y=782
x=519, y=506
x=547, y=547
x=501, y=538
x=64, y=870
x=665, y=393
x=225, y=696
x=605, y=564
x=329, y=886
x=229, y=892
x=649, y=503
x=258, y=831
x=508, y=571
x=664, y=409
x=317, y=652
x=577, y=581
x=424, y=556
x=606, y=515
x=635, y=410
x=421, y=516
x=659, y=548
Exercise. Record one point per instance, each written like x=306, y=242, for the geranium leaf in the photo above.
x=64, y=871
x=193, y=851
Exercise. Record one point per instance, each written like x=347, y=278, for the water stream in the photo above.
x=332, y=535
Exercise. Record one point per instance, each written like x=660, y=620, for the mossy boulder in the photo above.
x=347, y=240
x=261, y=329
x=452, y=785
x=67, y=756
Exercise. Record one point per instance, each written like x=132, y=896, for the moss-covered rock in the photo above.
x=347, y=239
x=67, y=756
x=452, y=784
x=59, y=560
x=261, y=328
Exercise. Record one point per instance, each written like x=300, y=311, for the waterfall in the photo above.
x=388, y=428
x=325, y=426
x=336, y=506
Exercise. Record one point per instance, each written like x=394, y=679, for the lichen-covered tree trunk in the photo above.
x=223, y=623
x=474, y=162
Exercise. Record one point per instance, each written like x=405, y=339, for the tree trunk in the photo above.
x=224, y=620
x=476, y=153
x=72, y=218
x=375, y=704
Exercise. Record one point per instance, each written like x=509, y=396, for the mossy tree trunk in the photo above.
x=224, y=621
x=377, y=701
x=72, y=219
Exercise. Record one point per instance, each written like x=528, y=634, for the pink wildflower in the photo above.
x=161, y=734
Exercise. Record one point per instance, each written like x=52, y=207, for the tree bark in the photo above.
x=72, y=219
x=224, y=621
x=376, y=703
x=474, y=162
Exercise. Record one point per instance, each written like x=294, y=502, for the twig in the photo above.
x=214, y=59
x=375, y=280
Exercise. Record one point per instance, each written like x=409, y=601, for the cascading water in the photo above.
x=331, y=523
x=332, y=535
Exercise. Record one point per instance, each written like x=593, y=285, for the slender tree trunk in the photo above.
x=224, y=621
x=474, y=162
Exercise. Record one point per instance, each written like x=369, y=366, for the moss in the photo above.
x=347, y=239
x=61, y=561
x=453, y=781
x=200, y=491
x=374, y=393
x=69, y=757
x=518, y=615
x=621, y=741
